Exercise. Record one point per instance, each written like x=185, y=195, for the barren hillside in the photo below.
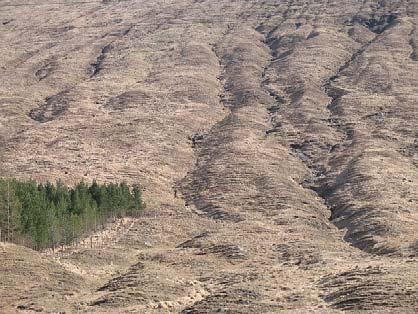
x=276, y=142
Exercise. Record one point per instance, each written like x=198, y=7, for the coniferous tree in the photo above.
x=48, y=215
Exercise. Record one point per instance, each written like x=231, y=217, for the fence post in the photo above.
x=8, y=210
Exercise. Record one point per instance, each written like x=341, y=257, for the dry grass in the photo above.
x=249, y=125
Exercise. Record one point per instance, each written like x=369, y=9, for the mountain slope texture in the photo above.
x=276, y=143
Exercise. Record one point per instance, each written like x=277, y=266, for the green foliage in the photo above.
x=52, y=214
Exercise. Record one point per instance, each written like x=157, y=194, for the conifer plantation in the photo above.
x=47, y=215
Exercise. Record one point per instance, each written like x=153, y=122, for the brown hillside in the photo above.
x=276, y=141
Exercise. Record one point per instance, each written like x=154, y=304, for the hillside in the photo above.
x=275, y=141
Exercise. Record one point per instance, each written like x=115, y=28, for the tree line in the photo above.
x=47, y=215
